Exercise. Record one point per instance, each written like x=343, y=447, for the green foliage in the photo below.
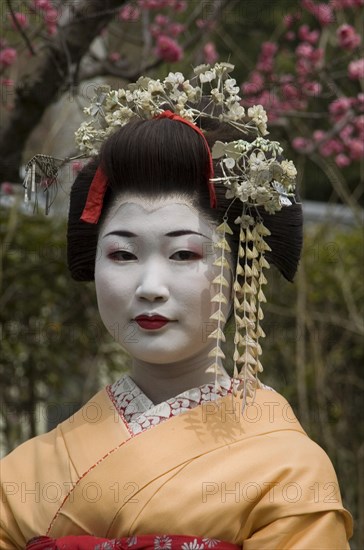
x=314, y=356
x=53, y=342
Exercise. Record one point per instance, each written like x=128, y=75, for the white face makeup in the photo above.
x=157, y=259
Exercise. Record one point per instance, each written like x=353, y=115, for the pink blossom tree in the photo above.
x=308, y=74
x=310, y=79
x=52, y=47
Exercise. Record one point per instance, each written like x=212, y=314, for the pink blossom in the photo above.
x=175, y=29
x=356, y=149
x=342, y=160
x=269, y=49
x=304, y=49
x=312, y=88
x=42, y=4
x=300, y=144
x=347, y=37
x=176, y=5
x=152, y=4
x=21, y=19
x=290, y=91
x=210, y=53
x=168, y=49
x=161, y=20
x=257, y=79
x=313, y=37
x=340, y=106
x=248, y=88
x=308, y=36
x=360, y=101
x=51, y=16
x=346, y=132
x=288, y=20
x=265, y=65
x=7, y=57
x=180, y=6
x=304, y=32
x=129, y=13
x=331, y=147
x=324, y=14
x=316, y=56
x=319, y=135
x=303, y=66
x=359, y=123
x=309, y=5
x=356, y=69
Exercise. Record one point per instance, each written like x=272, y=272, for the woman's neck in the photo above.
x=161, y=382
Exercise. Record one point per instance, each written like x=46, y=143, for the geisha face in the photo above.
x=156, y=259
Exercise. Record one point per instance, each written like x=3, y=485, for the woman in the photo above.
x=177, y=454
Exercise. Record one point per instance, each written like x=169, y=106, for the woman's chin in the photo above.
x=163, y=356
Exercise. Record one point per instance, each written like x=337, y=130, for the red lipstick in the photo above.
x=151, y=322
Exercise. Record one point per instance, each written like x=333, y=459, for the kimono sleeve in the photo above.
x=324, y=531
x=301, y=508
x=35, y=478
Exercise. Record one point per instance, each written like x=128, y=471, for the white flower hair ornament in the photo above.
x=253, y=173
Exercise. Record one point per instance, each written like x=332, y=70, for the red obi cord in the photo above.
x=137, y=542
x=94, y=202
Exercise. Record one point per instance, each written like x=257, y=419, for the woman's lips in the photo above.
x=151, y=323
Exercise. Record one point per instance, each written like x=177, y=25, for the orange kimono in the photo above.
x=122, y=466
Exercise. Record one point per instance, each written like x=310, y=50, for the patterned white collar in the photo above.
x=139, y=413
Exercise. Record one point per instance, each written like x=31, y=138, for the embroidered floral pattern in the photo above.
x=192, y=546
x=210, y=543
x=140, y=413
x=163, y=543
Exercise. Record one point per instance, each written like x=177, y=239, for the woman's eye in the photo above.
x=185, y=255
x=122, y=256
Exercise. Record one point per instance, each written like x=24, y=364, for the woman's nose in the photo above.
x=152, y=285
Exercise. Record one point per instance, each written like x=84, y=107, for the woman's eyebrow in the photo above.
x=178, y=233
x=120, y=233
x=184, y=232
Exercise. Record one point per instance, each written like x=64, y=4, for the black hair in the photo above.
x=161, y=157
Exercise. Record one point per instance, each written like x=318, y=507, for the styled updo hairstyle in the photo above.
x=161, y=157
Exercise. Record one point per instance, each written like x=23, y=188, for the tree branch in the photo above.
x=105, y=68
x=19, y=29
x=36, y=92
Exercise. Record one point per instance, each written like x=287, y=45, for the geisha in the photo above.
x=176, y=218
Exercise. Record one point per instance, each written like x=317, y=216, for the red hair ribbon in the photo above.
x=93, y=207
x=94, y=202
x=210, y=174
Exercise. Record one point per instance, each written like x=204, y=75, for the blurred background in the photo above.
x=304, y=62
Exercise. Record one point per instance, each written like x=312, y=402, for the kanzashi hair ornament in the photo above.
x=41, y=174
x=41, y=171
